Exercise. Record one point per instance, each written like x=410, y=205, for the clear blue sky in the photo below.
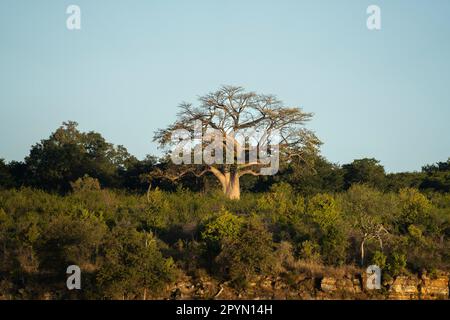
x=382, y=94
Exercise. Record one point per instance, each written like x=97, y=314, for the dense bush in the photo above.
x=131, y=246
x=249, y=253
x=78, y=199
x=133, y=265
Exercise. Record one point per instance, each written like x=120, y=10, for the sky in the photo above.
x=383, y=94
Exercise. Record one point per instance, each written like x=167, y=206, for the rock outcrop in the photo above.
x=431, y=289
x=404, y=288
x=348, y=284
x=306, y=287
x=425, y=288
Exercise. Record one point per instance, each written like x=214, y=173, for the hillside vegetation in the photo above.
x=77, y=199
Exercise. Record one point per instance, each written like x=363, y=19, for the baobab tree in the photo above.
x=232, y=133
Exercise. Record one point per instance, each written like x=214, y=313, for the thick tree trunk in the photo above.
x=231, y=186
x=229, y=182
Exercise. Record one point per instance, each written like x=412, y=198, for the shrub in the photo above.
x=134, y=265
x=323, y=210
x=69, y=240
x=284, y=256
x=415, y=207
x=334, y=246
x=310, y=251
x=379, y=259
x=250, y=254
x=397, y=265
x=280, y=200
x=85, y=184
x=225, y=226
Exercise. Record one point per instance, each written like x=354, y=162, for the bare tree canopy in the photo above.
x=231, y=112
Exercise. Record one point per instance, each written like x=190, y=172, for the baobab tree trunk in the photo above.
x=230, y=183
x=231, y=186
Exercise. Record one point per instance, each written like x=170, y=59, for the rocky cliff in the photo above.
x=307, y=288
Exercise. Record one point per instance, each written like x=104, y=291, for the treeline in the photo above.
x=69, y=154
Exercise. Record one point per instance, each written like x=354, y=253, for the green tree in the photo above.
x=134, y=175
x=397, y=181
x=415, y=208
x=6, y=179
x=367, y=171
x=134, y=267
x=324, y=212
x=69, y=154
x=280, y=201
x=224, y=226
x=249, y=254
x=70, y=239
x=437, y=177
x=313, y=175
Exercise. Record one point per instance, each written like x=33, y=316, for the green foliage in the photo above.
x=314, y=175
x=367, y=171
x=415, y=232
x=251, y=253
x=334, y=245
x=415, y=207
x=437, y=177
x=133, y=266
x=365, y=202
x=226, y=226
x=68, y=240
x=401, y=180
x=280, y=202
x=6, y=179
x=397, y=265
x=85, y=184
x=379, y=259
x=310, y=251
x=158, y=210
x=69, y=154
x=323, y=210
x=130, y=246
